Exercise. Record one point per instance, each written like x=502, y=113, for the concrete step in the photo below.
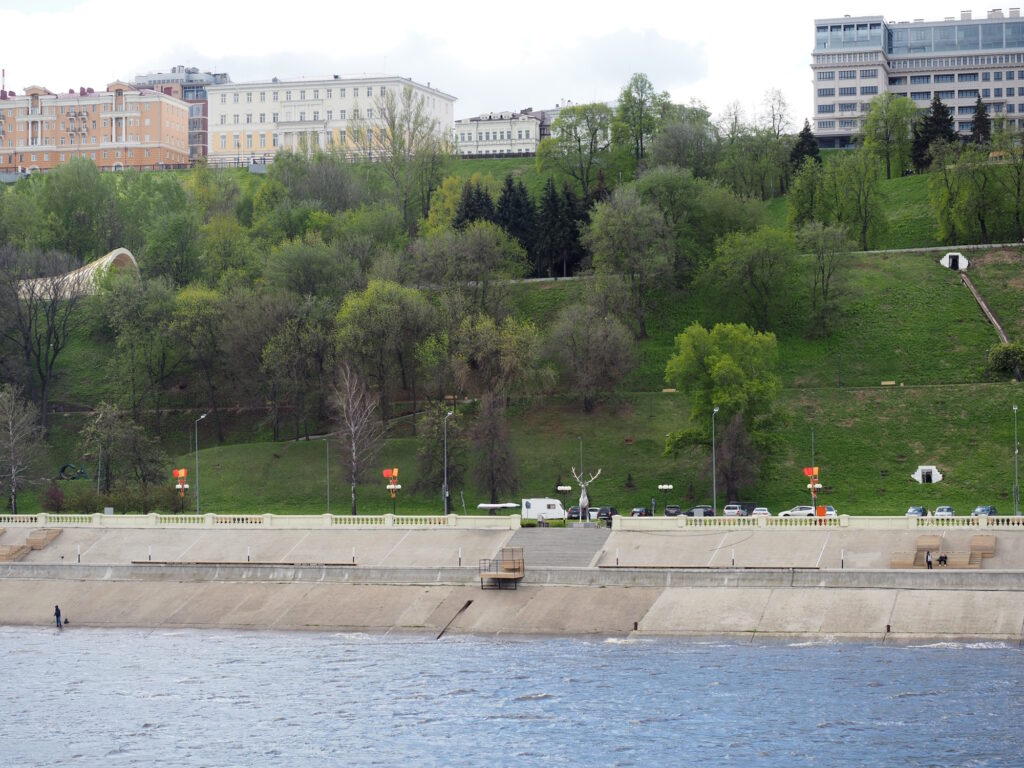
x=552, y=547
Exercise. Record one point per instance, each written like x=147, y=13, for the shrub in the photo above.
x=53, y=499
x=1006, y=358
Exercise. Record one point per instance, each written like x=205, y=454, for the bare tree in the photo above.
x=21, y=441
x=38, y=298
x=360, y=433
x=496, y=464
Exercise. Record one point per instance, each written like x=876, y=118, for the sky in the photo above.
x=490, y=55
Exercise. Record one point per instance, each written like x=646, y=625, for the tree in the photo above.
x=475, y=204
x=430, y=456
x=21, y=442
x=628, y=238
x=640, y=115
x=936, y=124
x=172, y=248
x=690, y=141
x=807, y=200
x=594, y=352
x=39, y=298
x=859, y=204
x=1011, y=176
x=829, y=249
x=378, y=330
x=580, y=137
x=944, y=187
x=887, y=131
x=78, y=205
x=981, y=127
x=496, y=467
x=125, y=452
x=755, y=267
x=806, y=147
x=410, y=147
x=979, y=201
x=359, y=432
x=517, y=214
x=196, y=326
x=732, y=368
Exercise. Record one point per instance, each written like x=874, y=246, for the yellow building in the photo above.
x=249, y=122
x=121, y=127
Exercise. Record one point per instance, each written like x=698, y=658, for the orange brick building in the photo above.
x=121, y=127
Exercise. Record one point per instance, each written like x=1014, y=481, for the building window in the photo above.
x=920, y=79
x=967, y=77
x=341, y=93
x=823, y=109
x=850, y=90
x=940, y=95
x=997, y=75
x=997, y=92
x=302, y=117
x=369, y=91
x=302, y=95
x=985, y=76
x=921, y=95
x=316, y=93
x=263, y=141
x=527, y=134
x=248, y=141
x=316, y=116
x=274, y=142
x=234, y=97
x=1010, y=92
x=274, y=96
x=223, y=100
x=248, y=118
x=944, y=78
x=287, y=95
x=826, y=92
x=1009, y=109
x=355, y=113
x=263, y=97
x=848, y=74
x=369, y=114
x=248, y=97
x=850, y=107
x=971, y=94
x=826, y=75
x=263, y=117
x=274, y=117
x=964, y=126
x=329, y=91
x=984, y=93
x=234, y=119
x=341, y=135
x=1009, y=75
x=341, y=114
x=330, y=115
x=869, y=73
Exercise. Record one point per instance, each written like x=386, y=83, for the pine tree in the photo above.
x=517, y=214
x=806, y=146
x=475, y=204
x=981, y=128
x=936, y=124
x=548, y=217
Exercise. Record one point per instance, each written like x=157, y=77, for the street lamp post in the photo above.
x=664, y=488
x=1016, y=450
x=450, y=413
x=714, y=473
x=197, y=459
x=327, y=445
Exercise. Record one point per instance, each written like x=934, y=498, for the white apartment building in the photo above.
x=249, y=122
x=497, y=133
x=957, y=59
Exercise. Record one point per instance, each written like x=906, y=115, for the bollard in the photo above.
x=353, y=555
x=734, y=557
x=151, y=553
x=79, y=553
x=248, y=552
x=616, y=556
x=842, y=558
x=460, y=557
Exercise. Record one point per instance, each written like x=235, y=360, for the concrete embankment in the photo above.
x=786, y=583
x=869, y=605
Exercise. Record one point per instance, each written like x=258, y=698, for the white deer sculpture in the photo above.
x=584, y=501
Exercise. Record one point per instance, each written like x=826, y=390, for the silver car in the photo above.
x=944, y=511
x=801, y=510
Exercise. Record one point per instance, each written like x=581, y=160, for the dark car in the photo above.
x=603, y=513
x=701, y=510
x=573, y=513
x=673, y=510
x=917, y=512
x=985, y=509
x=641, y=512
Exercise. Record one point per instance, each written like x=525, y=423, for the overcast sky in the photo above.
x=490, y=55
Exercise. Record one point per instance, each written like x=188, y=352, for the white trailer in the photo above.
x=542, y=509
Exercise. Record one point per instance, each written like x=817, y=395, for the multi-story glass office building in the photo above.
x=857, y=58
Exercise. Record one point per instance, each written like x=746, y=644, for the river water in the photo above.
x=96, y=697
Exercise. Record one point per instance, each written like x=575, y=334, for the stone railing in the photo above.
x=495, y=522
x=282, y=522
x=863, y=522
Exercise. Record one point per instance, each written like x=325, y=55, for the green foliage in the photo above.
x=806, y=147
x=579, y=142
x=887, y=131
x=981, y=125
x=1006, y=358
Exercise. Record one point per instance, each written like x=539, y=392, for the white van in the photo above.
x=543, y=509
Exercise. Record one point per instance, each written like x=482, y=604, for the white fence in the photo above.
x=283, y=522
x=495, y=522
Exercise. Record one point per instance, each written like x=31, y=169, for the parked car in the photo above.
x=801, y=510
x=673, y=510
x=830, y=511
x=573, y=513
x=944, y=511
x=985, y=509
x=641, y=512
x=917, y=512
x=738, y=509
x=603, y=513
x=701, y=510
x=761, y=512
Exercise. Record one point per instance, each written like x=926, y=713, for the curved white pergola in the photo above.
x=83, y=281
